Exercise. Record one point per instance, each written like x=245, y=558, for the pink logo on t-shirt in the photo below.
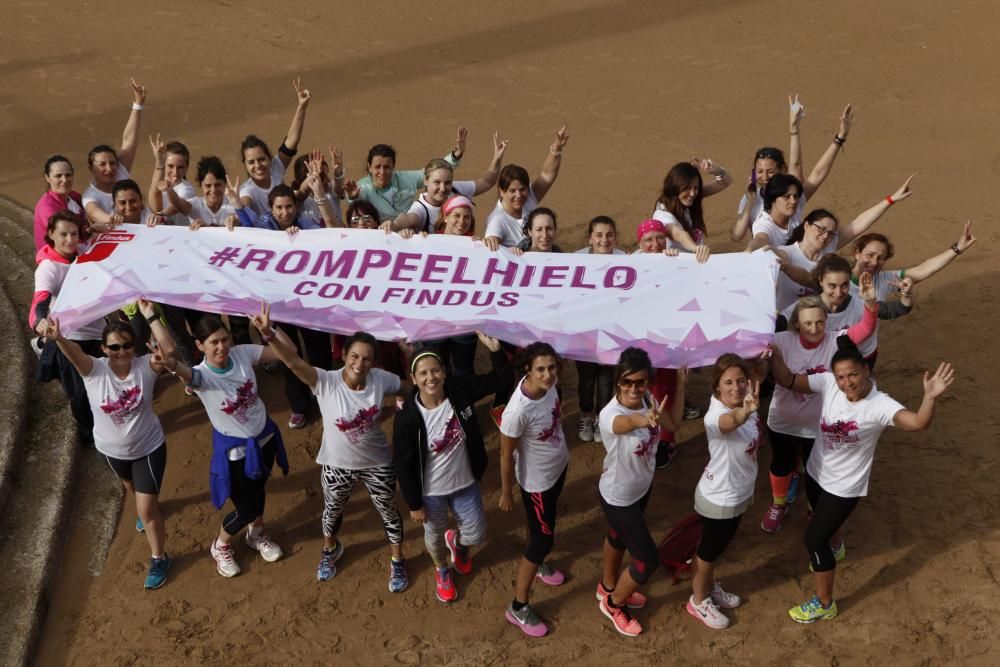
x=239, y=407
x=647, y=447
x=755, y=444
x=554, y=431
x=838, y=435
x=356, y=428
x=453, y=436
x=126, y=405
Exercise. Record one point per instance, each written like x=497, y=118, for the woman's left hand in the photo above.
x=846, y=119
x=292, y=231
x=903, y=192
x=499, y=147
x=147, y=308
x=562, y=136
x=262, y=320
x=966, y=240
x=935, y=385
x=795, y=113
x=138, y=92
x=702, y=254
x=461, y=136
x=489, y=342
x=751, y=402
x=866, y=288
x=303, y=94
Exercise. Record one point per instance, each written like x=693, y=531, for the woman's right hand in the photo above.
x=138, y=92
x=147, y=308
x=301, y=93
x=702, y=254
x=846, y=119
x=499, y=147
x=262, y=320
x=159, y=149
x=492, y=243
x=506, y=501
x=196, y=224
x=419, y=515
x=352, y=189
x=50, y=329
x=489, y=342
x=904, y=191
x=866, y=288
x=233, y=190
x=795, y=113
x=751, y=402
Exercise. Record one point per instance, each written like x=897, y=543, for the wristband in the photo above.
x=285, y=150
x=152, y=318
x=890, y=200
x=955, y=249
x=136, y=106
x=837, y=140
x=554, y=151
x=720, y=177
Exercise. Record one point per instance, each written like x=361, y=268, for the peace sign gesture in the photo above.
x=795, y=113
x=904, y=191
x=138, y=92
x=562, y=136
x=262, y=320
x=302, y=93
x=499, y=147
x=656, y=413
x=159, y=148
x=233, y=190
x=460, y=138
x=751, y=402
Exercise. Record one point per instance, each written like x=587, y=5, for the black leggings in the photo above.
x=829, y=514
x=541, y=510
x=55, y=365
x=716, y=534
x=146, y=474
x=318, y=352
x=627, y=529
x=785, y=448
x=594, y=377
x=247, y=494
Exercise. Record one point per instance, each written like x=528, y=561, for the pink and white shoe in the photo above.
x=635, y=601
x=549, y=575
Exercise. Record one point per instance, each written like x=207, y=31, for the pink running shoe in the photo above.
x=549, y=575
x=526, y=620
x=774, y=518
x=459, y=554
x=620, y=617
x=635, y=601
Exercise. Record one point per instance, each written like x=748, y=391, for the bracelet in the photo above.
x=158, y=167
x=890, y=200
x=837, y=140
x=136, y=106
x=794, y=134
x=321, y=200
x=955, y=249
x=152, y=318
x=268, y=337
x=721, y=175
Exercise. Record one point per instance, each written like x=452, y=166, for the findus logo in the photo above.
x=104, y=246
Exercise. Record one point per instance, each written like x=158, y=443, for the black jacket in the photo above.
x=409, y=433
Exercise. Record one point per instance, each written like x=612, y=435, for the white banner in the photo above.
x=588, y=307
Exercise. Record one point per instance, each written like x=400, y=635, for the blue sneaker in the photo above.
x=793, y=489
x=157, y=575
x=139, y=526
x=398, y=579
x=328, y=562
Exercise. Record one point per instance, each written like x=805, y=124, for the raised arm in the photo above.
x=165, y=353
x=743, y=222
x=489, y=178
x=315, y=183
x=280, y=347
x=863, y=222
x=294, y=135
x=153, y=197
x=337, y=172
x=454, y=158
x=932, y=265
x=720, y=177
x=550, y=168
x=130, y=136
x=82, y=362
x=861, y=330
x=934, y=386
x=795, y=113
x=822, y=168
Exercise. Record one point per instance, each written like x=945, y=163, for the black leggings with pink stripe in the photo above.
x=541, y=510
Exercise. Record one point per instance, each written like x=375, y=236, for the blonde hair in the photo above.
x=804, y=303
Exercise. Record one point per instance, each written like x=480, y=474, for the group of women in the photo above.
x=823, y=421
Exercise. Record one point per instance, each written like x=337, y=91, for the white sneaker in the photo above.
x=597, y=433
x=263, y=545
x=708, y=613
x=724, y=600
x=586, y=429
x=224, y=561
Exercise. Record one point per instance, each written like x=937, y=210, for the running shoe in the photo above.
x=812, y=610
x=157, y=575
x=620, y=617
x=37, y=343
x=297, y=420
x=793, y=489
x=774, y=518
x=529, y=622
x=691, y=411
x=327, y=569
x=139, y=526
x=398, y=579
x=708, y=613
x=263, y=545
x=550, y=575
x=459, y=554
x=635, y=601
x=585, y=430
x=665, y=453
x=444, y=585
x=225, y=563
x=597, y=434
x=722, y=599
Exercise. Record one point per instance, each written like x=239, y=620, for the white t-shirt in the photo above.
x=352, y=437
x=758, y=208
x=257, y=194
x=668, y=218
x=790, y=291
x=125, y=426
x=507, y=228
x=844, y=448
x=844, y=319
x=729, y=477
x=631, y=457
x=793, y=413
x=542, y=455
x=104, y=200
x=428, y=212
x=185, y=191
x=201, y=211
x=231, y=398
x=587, y=251
x=49, y=277
x=309, y=210
x=447, y=468
x=765, y=224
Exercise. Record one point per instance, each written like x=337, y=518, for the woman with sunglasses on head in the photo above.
x=630, y=430
x=439, y=458
x=392, y=191
x=792, y=418
x=769, y=161
x=679, y=205
x=853, y=415
x=533, y=451
x=127, y=432
x=518, y=196
x=361, y=214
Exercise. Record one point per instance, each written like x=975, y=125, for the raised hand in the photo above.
x=966, y=240
x=751, y=402
x=904, y=191
x=655, y=413
x=795, y=113
x=499, y=147
x=489, y=342
x=303, y=94
x=936, y=384
x=460, y=138
x=336, y=161
x=233, y=190
x=866, y=287
x=138, y=92
x=159, y=149
x=262, y=320
x=352, y=189
x=562, y=136
x=846, y=119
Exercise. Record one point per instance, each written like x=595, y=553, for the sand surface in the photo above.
x=641, y=85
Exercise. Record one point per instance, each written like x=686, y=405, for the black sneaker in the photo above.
x=665, y=454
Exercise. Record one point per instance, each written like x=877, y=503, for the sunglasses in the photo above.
x=355, y=219
x=626, y=383
x=768, y=154
x=115, y=347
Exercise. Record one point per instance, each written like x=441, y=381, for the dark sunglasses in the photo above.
x=638, y=384
x=114, y=347
x=768, y=154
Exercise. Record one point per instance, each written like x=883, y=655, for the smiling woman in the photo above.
x=59, y=196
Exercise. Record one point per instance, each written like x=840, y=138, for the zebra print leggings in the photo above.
x=381, y=484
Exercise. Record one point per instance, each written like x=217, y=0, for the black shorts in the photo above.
x=145, y=473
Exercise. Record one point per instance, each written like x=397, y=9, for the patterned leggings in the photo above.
x=381, y=484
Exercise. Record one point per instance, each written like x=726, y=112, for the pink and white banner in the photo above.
x=587, y=307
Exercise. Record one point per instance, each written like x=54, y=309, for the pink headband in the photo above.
x=650, y=226
x=456, y=201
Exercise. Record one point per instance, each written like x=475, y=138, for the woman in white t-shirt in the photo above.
x=126, y=430
x=792, y=418
x=245, y=440
x=439, y=184
x=171, y=161
x=354, y=447
x=518, y=196
x=312, y=202
x=781, y=213
x=734, y=432
x=853, y=416
x=264, y=171
x=213, y=208
x=533, y=451
x=679, y=206
x=630, y=430
x=769, y=161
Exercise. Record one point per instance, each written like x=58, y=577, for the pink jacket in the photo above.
x=50, y=204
